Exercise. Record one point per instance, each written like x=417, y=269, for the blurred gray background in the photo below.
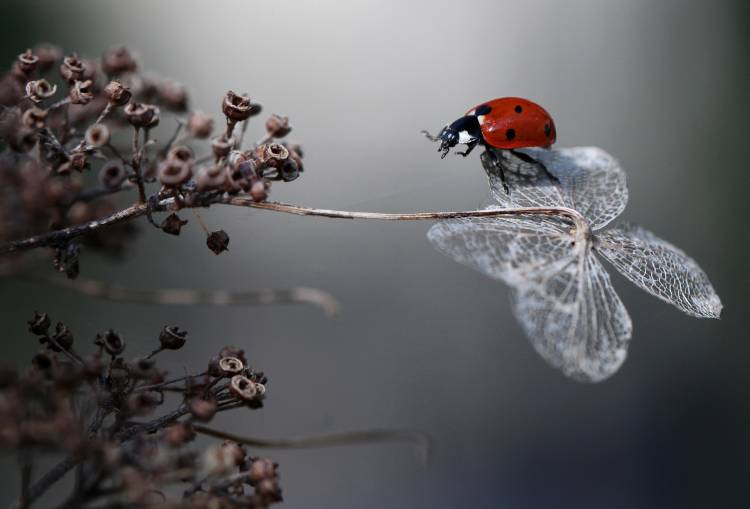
x=423, y=342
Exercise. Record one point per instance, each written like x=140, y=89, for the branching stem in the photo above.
x=61, y=236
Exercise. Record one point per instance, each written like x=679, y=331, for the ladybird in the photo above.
x=507, y=123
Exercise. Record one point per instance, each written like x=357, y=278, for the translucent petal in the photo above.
x=591, y=181
x=574, y=318
x=563, y=297
x=660, y=268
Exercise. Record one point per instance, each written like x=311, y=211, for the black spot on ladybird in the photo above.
x=518, y=108
x=482, y=110
x=510, y=134
x=547, y=130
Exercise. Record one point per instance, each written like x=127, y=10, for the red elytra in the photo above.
x=514, y=122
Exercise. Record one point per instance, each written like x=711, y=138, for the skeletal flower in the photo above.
x=562, y=296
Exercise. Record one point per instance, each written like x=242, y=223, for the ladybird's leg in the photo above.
x=469, y=148
x=500, y=170
x=528, y=159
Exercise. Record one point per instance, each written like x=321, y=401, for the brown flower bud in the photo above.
x=230, y=366
x=97, y=135
x=40, y=90
x=112, y=174
x=72, y=69
x=172, y=95
x=268, y=490
x=179, y=434
x=48, y=55
x=118, y=60
x=27, y=61
x=143, y=402
x=34, y=118
x=221, y=146
x=271, y=154
x=259, y=190
x=81, y=92
x=39, y=324
x=238, y=107
x=243, y=387
x=212, y=177
x=181, y=153
x=203, y=409
x=172, y=224
x=278, y=126
x=200, y=125
x=172, y=338
x=117, y=94
x=260, y=469
x=142, y=115
x=218, y=241
x=174, y=172
x=111, y=341
x=233, y=351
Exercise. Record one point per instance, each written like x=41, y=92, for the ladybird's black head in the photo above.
x=465, y=130
x=448, y=139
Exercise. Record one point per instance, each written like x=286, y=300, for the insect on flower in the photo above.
x=562, y=295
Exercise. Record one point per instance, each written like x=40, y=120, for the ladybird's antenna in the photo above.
x=429, y=136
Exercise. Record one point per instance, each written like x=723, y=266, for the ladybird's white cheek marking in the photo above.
x=465, y=137
x=480, y=118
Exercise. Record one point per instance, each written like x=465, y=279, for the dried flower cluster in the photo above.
x=104, y=410
x=63, y=117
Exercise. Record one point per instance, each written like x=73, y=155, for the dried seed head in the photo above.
x=172, y=95
x=212, y=177
x=222, y=146
x=278, y=126
x=111, y=341
x=172, y=338
x=63, y=336
x=143, y=402
x=97, y=135
x=27, y=61
x=112, y=174
x=117, y=94
x=39, y=324
x=271, y=154
x=142, y=115
x=174, y=172
x=203, y=409
x=78, y=161
x=172, y=224
x=118, y=60
x=34, y=118
x=72, y=69
x=243, y=388
x=218, y=241
x=230, y=366
x=40, y=90
x=259, y=190
x=238, y=107
x=200, y=125
x=48, y=55
x=81, y=92
x=181, y=153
